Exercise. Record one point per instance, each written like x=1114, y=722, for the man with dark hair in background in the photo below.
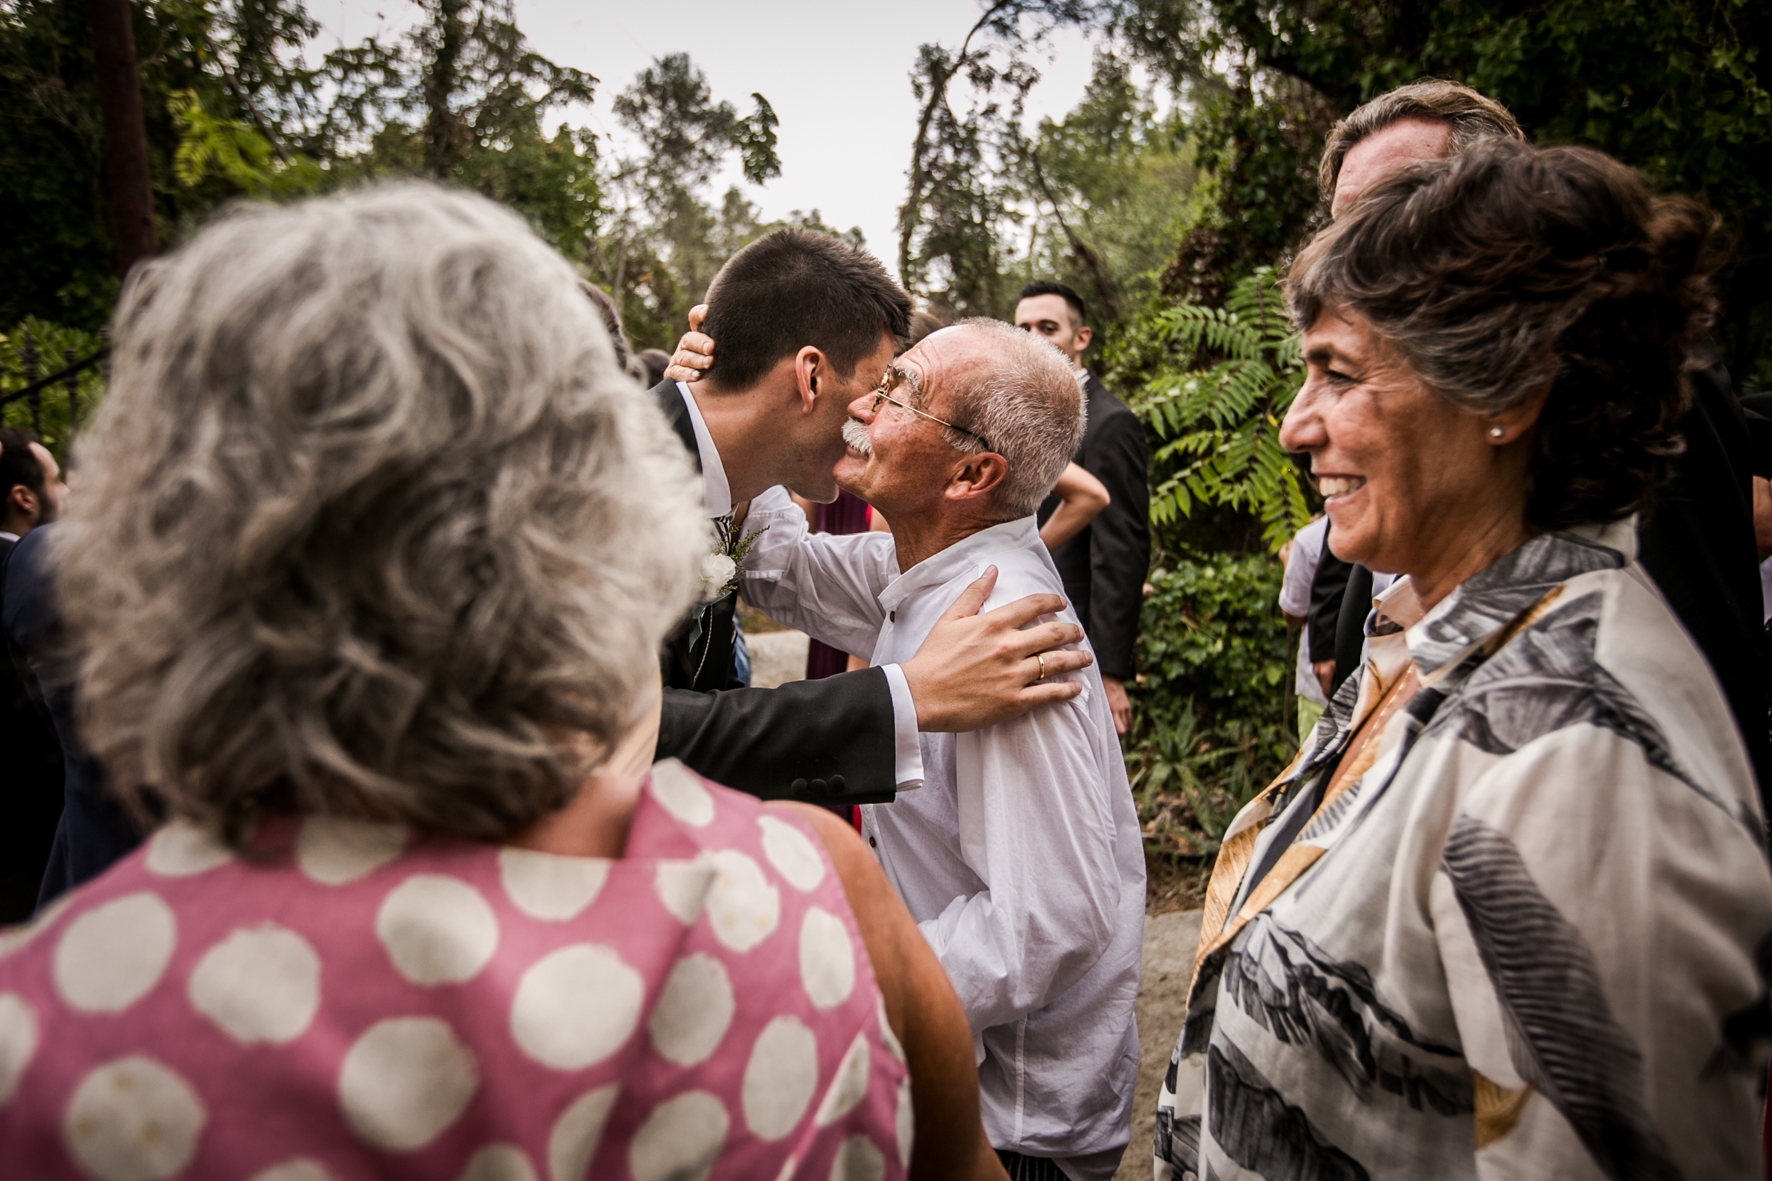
x=1696, y=539
x=30, y=485
x=807, y=324
x=1104, y=566
x=31, y=492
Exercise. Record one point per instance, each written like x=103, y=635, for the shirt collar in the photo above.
x=716, y=490
x=5, y=536
x=1493, y=597
x=941, y=568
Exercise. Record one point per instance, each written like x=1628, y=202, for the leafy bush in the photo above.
x=1215, y=405
x=1209, y=723
x=55, y=346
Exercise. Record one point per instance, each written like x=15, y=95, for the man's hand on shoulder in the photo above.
x=977, y=670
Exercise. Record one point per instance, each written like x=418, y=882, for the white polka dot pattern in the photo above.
x=405, y=1081
x=827, y=959
x=578, y=1131
x=792, y=854
x=859, y=1159
x=300, y=1169
x=681, y=794
x=680, y=1140
x=181, y=849
x=498, y=1162
x=849, y=1087
x=134, y=1119
x=779, y=1078
x=576, y=1006
x=467, y=1012
x=18, y=1042
x=682, y=887
x=114, y=954
x=334, y=851
x=437, y=929
x=693, y=1012
x=260, y=984
x=549, y=887
x=743, y=907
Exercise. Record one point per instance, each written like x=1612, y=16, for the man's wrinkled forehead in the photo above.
x=940, y=355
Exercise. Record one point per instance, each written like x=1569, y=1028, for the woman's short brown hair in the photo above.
x=1495, y=269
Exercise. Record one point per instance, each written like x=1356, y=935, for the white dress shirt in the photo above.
x=1020, y=858
x=716, y=491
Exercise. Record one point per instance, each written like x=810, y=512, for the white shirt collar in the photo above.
x=8, y=536
x=960, y=558
x=716, y=490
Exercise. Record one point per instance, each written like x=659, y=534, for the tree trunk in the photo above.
x=126, y=136
x=442, y=127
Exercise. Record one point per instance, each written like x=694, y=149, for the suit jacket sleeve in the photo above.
x=828, y=741
x=1119, y=542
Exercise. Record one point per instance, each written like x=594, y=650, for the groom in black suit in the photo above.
x=806, y=324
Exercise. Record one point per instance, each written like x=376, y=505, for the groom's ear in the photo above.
x=813, y=378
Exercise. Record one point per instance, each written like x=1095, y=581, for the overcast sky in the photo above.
x=838, y=76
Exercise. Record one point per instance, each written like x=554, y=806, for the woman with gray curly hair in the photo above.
x=374, y=552
x=1504, y=915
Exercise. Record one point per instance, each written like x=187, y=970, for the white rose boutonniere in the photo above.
x=719, y=570
x=718, y=574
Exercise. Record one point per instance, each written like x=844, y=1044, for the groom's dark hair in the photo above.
x=795, y=288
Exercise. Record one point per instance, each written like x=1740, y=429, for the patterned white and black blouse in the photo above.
x=1529, y=939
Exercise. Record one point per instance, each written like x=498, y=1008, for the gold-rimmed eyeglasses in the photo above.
x=891, y=380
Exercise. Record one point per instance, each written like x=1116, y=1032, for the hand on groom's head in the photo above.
x=695, y=352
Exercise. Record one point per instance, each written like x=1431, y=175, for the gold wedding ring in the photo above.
x=1042, y=659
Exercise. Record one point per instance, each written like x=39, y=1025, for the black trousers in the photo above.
x=1030, y=1168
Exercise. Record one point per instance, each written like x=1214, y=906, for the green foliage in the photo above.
x=1113, y=186
x=1217, y=407
x=662, y=243
x=56, y=346
x=1209, y=710
x=236, y=104
x=1674, y=88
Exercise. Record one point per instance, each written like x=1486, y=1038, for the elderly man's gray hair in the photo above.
x=1028, y=404
x=370, y=523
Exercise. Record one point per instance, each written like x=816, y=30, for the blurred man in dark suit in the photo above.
x=1104, y=566
x=31, y=492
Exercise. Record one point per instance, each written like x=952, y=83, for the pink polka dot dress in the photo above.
x=356, y=1001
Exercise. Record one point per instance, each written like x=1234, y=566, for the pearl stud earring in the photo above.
x=1496, y=432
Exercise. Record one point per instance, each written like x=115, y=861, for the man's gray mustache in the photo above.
x=856, y=435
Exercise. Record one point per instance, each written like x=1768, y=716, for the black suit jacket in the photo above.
x=31, y=788
x=94, y=830
x=828, y=741
x=1104, y=566
x=1697, y=541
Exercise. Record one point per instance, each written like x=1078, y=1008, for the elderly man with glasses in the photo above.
x=1020, y=856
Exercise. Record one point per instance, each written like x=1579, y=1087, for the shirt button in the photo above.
x=873, y=843
x=892, y=617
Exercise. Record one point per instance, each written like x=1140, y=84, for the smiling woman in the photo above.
x=1520, y=858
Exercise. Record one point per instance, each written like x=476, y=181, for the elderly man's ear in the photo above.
x=976, y=476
